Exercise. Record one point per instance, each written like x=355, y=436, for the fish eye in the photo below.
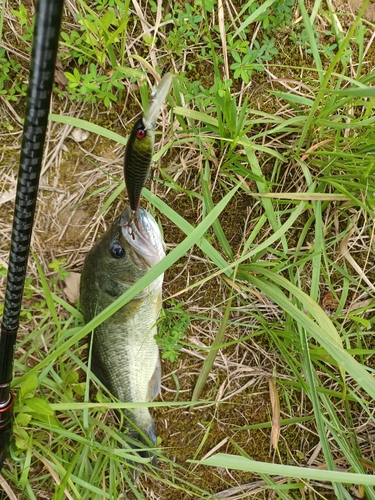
x=117, y=251
x=141, y=132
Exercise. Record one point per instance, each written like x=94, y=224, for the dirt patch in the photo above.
x=80, y=180
x=355, y=6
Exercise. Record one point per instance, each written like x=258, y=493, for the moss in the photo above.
x=182, y=431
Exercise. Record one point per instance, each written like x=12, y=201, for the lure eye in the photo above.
x=141, y=133
x=116, y=250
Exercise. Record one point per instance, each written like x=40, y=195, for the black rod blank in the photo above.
x=42, y=69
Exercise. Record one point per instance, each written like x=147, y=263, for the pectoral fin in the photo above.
x=155, y=382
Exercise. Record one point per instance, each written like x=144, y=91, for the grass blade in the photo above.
x=245, y=464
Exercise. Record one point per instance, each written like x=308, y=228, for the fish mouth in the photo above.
x=143, y=237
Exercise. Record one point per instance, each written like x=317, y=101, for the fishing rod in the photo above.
x=42, y=68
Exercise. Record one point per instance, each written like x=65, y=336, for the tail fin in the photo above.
x=142, y=430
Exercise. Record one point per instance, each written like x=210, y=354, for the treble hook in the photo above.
x=128, y=225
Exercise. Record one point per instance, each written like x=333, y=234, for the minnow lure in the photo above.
x=140, y=147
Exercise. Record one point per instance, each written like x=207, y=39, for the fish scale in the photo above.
x=125, y=356
x=140, y=347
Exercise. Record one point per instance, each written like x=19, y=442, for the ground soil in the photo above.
x=69, y=221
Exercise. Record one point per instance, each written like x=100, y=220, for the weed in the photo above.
x=11, y=85
x=58, y=267
x=293, y=164
x=92, y=87
x=251, y=60
x=75, y=43
x=172, y=327
x=26, y=23
x=187, y=30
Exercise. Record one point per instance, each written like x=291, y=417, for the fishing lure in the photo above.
x=140, y=147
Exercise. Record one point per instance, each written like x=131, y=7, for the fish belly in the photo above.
x=125, y=357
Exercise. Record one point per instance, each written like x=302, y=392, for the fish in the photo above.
x=125, y=356
x=140, y=145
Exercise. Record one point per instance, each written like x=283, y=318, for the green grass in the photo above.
x=266, y=187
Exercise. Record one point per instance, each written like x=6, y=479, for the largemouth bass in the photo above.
x=125, y=356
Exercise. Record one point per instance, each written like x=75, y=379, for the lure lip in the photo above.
x=158, y=96
x=141, y=232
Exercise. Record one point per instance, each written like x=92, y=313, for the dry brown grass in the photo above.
x=67, y=224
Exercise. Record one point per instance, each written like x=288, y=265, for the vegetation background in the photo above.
x=264, y=185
